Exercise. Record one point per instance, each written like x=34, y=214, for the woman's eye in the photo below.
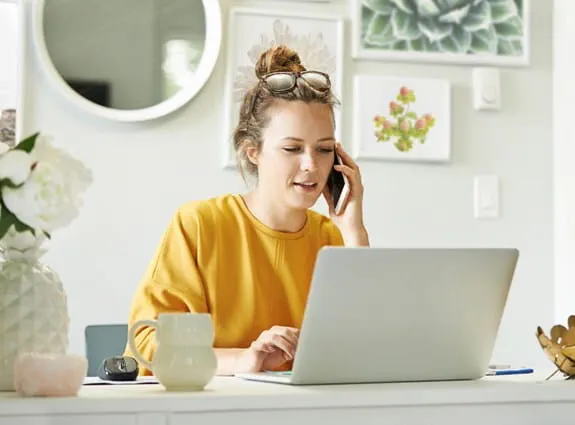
x=326, y=150
x=291, y=149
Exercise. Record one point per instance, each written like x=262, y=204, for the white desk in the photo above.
x=501, y=400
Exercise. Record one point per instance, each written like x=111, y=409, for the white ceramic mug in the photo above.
x=184, y=359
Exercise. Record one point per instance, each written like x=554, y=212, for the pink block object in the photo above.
x=49, y=375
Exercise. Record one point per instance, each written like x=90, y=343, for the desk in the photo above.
x=496, y=400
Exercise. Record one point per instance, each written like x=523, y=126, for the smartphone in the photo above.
x=338, y=186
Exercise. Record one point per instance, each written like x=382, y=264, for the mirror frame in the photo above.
x=213, y=16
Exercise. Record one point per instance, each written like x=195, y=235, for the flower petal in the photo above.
x=15, y=165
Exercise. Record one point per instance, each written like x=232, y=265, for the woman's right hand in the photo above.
x=273, y=348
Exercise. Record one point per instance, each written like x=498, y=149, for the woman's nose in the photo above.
x=308, y=162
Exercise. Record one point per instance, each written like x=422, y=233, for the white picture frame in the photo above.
x=413, y=41
x=12, y=77
x=373, y=95
x=254, y=29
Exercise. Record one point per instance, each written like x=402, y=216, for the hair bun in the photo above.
x=278, y=59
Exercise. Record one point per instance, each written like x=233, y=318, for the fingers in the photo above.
x=345, y=157
x=278, y=337
x=354, y=178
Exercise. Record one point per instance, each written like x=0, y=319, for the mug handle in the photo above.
x=132, y=344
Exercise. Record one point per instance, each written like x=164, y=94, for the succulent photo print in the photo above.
x=459, y=31
x=402, y=119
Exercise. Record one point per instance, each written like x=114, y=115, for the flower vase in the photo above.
x=33, y=312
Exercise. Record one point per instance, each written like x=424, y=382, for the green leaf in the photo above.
x=450, y=4
x=4, y=226
x=383, y=7
x=379, y=31
x=458, y=42
x=411, y=115
x=9, y=183
x=478, y=18
x=7, y=219
x=503, y=10
x=28, y=143
x=427, y=8
x=21, y=227
x=420, y=44
x=512, y=29
x=484, y=41
x=400, y=45
x=455, y=16
x=405, y=6
x=510, y=48
x=398, y=111
x=404, y=25
x=434, y=30
x=366, y=17
x=434, y=47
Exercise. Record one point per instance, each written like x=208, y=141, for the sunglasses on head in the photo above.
x=285, y=82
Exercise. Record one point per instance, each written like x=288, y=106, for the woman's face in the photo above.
x=297, y=154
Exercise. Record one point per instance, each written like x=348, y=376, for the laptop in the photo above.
x=377, y=315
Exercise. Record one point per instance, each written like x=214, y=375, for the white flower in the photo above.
x=50, y=198
x=311, y=48
x=15, y=165
x=4, y=147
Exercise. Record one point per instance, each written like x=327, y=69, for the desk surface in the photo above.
x=227, y=393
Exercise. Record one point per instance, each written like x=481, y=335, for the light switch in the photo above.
x=486, y=197
x=486, y=89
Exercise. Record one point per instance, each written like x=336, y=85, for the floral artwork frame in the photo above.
x=402, y=119
x=472, y=32
x=12, y=85
x=318, y=38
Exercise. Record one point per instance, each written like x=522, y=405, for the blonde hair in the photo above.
x=251, y=123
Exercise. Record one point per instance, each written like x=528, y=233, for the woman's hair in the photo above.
x=251, y=123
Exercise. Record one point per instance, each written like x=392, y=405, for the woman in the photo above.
x=248, y=259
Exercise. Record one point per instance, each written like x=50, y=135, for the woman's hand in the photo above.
x=350, y=218
x=273, y=348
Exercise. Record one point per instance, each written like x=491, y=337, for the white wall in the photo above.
x=144, y=171
x=563, y=154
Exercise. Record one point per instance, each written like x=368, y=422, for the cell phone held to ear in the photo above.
x=338, y=186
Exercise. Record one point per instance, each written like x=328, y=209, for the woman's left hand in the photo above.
x=350, y=219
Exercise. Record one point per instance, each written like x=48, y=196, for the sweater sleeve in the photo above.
x=172, y=283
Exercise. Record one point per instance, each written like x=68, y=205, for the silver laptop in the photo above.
x=400, y=315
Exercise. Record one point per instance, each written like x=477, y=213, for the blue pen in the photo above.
x=519, y=371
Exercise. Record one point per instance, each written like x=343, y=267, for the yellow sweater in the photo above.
x=216, y=257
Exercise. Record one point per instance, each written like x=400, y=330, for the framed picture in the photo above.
x=402, y=119
x=318, y=39
x=12, y=70
x=474, y=32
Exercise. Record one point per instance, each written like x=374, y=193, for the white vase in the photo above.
x=33, y=314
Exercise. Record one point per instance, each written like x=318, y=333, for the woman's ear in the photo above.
x=252, y=151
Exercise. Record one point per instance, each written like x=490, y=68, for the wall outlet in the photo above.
x=486, y=89
x=486, y=197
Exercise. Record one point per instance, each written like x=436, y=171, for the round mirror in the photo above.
x=128, y=60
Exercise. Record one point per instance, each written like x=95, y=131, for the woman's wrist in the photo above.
x=229, y=360
x=358, y=237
